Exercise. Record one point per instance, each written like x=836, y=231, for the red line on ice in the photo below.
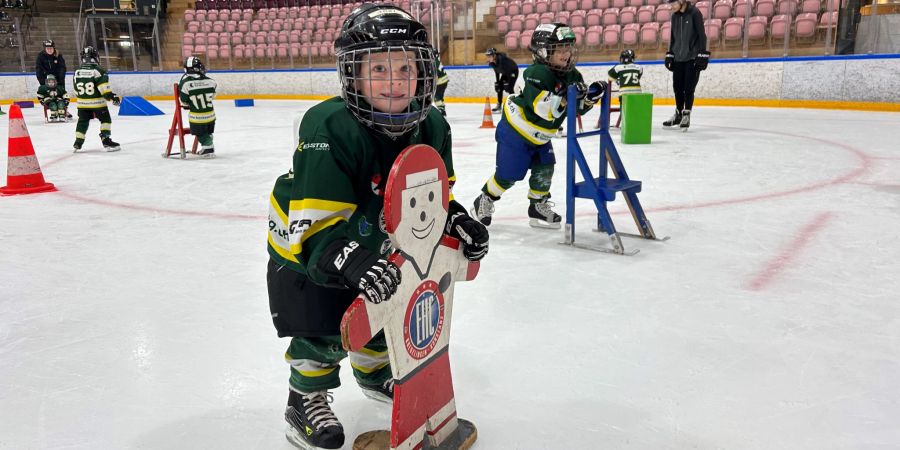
x=777, y=265
x=176, y=212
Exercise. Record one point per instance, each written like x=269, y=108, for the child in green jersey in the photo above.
x=327, y=241
x=196, y=92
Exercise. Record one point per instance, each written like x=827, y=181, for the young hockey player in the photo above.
x=327, y=241
x=531, y=118
x=627, y=74
x=53, y=96
x=197, y=92
x=442, y=81
x=506, y=72
x=92, y=89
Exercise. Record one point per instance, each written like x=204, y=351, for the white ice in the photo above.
x=133, y=307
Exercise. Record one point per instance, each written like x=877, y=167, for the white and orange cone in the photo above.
x=23, y=172
x=488, y=120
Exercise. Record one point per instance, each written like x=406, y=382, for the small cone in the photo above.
x=488, y=120
x=23, y=173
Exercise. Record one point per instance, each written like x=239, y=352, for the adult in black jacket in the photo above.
x=506, y=72
x=50, y=62
x=686, y=57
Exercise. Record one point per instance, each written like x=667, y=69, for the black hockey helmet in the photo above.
x=89, y=55
x=627, y=56
x=381, y=28
x=192, y=64
x=51, y=81
x=549, y=38
x=491, y=51
x=49, y=43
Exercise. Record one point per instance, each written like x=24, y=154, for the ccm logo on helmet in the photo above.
x=393, y=30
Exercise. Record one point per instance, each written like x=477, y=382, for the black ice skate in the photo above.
x=497, y=109
x=207, y=152
x=675, y=120
x=311, y=422
x=76, y=147
x=381, y=392
x=483, y=209
x=685, y=119
x=542, y=216
x=110, y=145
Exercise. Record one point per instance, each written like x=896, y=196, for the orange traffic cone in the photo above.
x=487, y=121
x=23, y=173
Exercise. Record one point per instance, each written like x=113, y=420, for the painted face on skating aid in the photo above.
x=388, y=80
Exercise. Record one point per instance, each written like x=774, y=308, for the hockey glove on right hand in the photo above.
x=670, y=61
x=595, y=92
x=116, y=100
x=498, y=86
x=360, y=268
x=470, y=232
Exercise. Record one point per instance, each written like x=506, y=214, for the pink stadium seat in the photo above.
x=303, y=13
x=525, y=39
x=665, y=33
x=734, y=30
x=546, y=17
x=193, y=27
x=592, y=36
x=282, y=13
x=281, y=51
x=593, y=17
x=293, y=13
x=663, y=13
x=628, y=15
x=542, y=6
x=514, y=9
x=187, y=50
x=503, y=24
x=787, y=7
x=200, y=49
x=283, y=37
x=805, y=25
x=563, y=17
x=305, y=36
x=645, y=13
x=765, y=8
x=500, y=9
x=231, y=26
x=218, y=27
x=237, y=38
x=810, y=6
x=235, y=15
x=610, y=16
x=570, y=5
x=187, y=39
x=250, y=38
x=259, y=52
x=619, y=3
x=326, y=50
x=295, y=50
x=528, y=7
x=578, y=18
x=247, y=15
x=579, y=35
x=225, y=51
x=587, y=5
x=828, y=19
x=704, y=6
x=778, y=27
x=261, y=38
x=199, y=38
x=631, y=34
x=277, y=25
x=213, y=39
x=722, y=9
x=239, y=51
x=654, y=2
x=188, y=15
x=224, y=14
x=742, y=8
x=636, y=3
x=602, y=4
x=256, y=26
x=611, y=35
x=650, y=34
x=512, y=40
x=756, y=28
x=212, y=15
x=294, y=37
x=531, y=21
x=713, y=31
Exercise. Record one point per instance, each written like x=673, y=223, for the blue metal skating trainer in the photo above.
x=601, y=189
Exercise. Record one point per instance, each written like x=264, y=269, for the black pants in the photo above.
x=684, y=80
x=508, y=85
x=300, y=307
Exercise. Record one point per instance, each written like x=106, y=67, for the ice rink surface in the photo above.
x=134, y=315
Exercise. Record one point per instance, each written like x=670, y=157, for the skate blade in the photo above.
x=537, y=223
x=293, y=436
x=112, y=149
x=377, y=396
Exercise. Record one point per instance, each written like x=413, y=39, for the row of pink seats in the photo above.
x=261, y=51
x=282, y=37
x=263, y=25
x=258, y=4
x=593, y=17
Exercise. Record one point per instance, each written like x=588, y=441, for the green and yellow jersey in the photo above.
x=198, y=92
x=540, y=109
x=92, y=87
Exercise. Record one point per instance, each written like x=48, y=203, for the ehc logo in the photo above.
x=424, y=320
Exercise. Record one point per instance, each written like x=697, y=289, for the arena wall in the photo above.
x=854, y=82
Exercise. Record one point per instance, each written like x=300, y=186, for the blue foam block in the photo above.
x=239, y=102
x=137, y=106
x=26, y=104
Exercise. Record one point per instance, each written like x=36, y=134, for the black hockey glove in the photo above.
x=360, y=268
x=116, y=101
x=470, y=232
x=702, y=61
x=670, y=61
x=498, y=86
x=595, y=92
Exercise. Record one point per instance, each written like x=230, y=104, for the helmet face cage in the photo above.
x=551, y=38
x=627, y=57
x=51, y=81
x=376, y=71
x=192, y=64
x=89, y=55
x=387, y=68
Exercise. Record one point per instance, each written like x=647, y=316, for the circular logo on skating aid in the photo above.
x=424, y=320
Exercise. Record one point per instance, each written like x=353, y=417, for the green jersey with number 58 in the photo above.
x=197, y=92
x=91, y=86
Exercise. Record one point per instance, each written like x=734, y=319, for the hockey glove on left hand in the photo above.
x=470, y=232
x=702, y=61
x=116, y=100
x=670, y=61
x=595, y=92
